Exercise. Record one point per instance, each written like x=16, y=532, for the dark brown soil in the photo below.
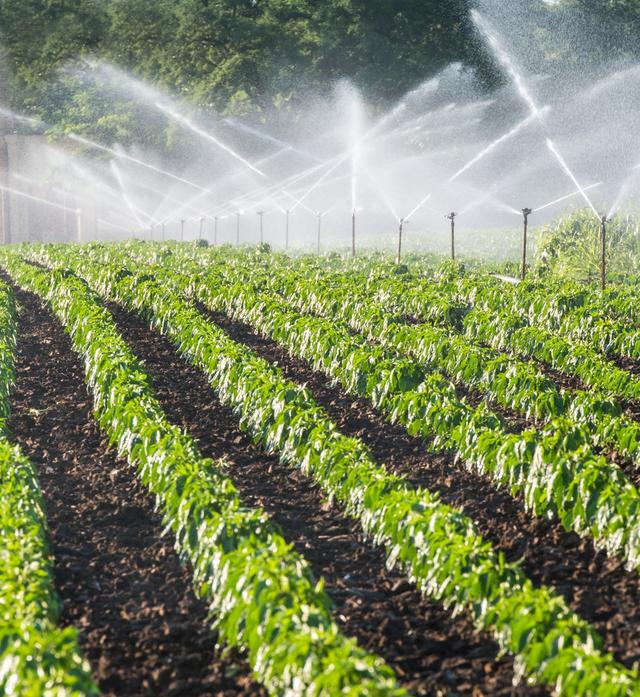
x=120, y=581
x=431, y=652
x=626, y=363
x=571, y=383
x=596, y=587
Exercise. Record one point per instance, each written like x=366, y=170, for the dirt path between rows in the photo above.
x=596, y=587
x=121, y=583
x=430, y=651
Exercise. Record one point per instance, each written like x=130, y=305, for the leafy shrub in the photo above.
x=571, y=247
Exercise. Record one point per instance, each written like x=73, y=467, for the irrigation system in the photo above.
x=445, y=146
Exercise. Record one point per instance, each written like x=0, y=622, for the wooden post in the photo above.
x=526, y=212
x=353, y=233
x=452, y=218
x=400, y=229
x=603, y=262
x=261, y=214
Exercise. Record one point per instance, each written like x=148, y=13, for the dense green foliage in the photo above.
x=249, y=56
x=36, y=656
x=437, y=545
x=262, y=594
x=571, y=247
x=231, y=55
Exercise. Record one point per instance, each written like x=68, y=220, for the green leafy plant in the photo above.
x=436, y=544
x=36, y=657
x=262, y=594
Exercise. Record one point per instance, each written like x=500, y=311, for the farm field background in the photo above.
x=376, y=478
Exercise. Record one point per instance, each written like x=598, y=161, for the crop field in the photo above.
x=229, y=471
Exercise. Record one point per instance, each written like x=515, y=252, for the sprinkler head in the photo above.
x=451, y=216
x=604, y=219
x=526, y=212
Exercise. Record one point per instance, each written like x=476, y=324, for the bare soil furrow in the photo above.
x=596, y=586
x=431, y=652
x=120, y=580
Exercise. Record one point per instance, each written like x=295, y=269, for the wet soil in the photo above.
x=121, y=583
x=431, y=652
x=595, y=586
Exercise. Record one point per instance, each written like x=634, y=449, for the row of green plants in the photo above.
x=36, y=656
x=555, y=468
x=514, y=321
x=507, y=331
x=437, y=546
x=573, y=312
x=606, y=325
x=512, y=383
x=262, y=594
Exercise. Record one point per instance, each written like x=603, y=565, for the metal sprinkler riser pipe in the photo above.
x=526, y=212
x=261, y=216
x=353, y=233
x=452, y=218
x=603, y=261
x=400, y=231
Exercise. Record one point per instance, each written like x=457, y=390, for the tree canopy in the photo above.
x=244, y=56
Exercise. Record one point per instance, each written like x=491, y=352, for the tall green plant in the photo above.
x=571, y=246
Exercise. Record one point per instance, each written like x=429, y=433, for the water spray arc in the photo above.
x=287, y=215
x=566, y=198
x=518, y=80
x=284, y=146
x=135, y=160
x=207, y=136
x=497, y=143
